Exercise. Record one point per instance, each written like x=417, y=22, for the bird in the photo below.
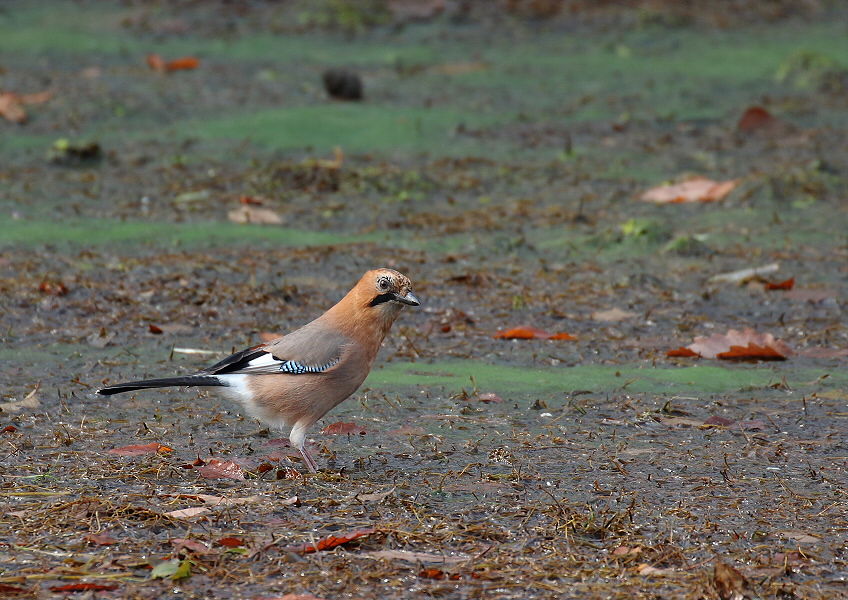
x=295, y=380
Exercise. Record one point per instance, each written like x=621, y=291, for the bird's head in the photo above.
x=387, y=290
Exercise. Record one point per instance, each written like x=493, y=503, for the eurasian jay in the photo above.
x=295, y=380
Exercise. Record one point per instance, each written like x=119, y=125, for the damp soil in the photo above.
x=497, y=158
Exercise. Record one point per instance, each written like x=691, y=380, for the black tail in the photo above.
x=131, y=386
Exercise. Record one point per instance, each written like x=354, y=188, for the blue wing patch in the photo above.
x=296, y=368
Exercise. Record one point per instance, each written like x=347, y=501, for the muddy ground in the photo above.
x=497, y=158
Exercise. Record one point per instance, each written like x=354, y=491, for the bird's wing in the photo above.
x=302, y=351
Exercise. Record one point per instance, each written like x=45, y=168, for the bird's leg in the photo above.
x=297, y=438
x=307, y=460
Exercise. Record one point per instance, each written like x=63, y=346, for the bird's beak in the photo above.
x=409, y=299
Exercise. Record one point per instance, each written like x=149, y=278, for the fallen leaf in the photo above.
x=744, y=275
x=219, y=500
x=138, y=450
x=377, y=497
x=191, y=545
x=155, y=330
x=187, y=513
x=613, y=314
x=156, y=62
x=782, y=285
x=245, y=215
x=11, y=589
x=101, y=539
x=330, y=541
x=432, y=574
x=165, y=569
x=100, y=339
x=254, y=200
x=416, y=557
x=83, y=587
x=801, y=537
x=230, y=542
x=729, y=583
x=741, y=345
x=755, y=118
x=646, y=569
x=530, y=333
x=490, y=398
x=11, y=108
x=53, y=289
x=29, y=401
x=292, y=597
x=695, y=189
x=340, y=428
x=720, y=421
x=216, y=469
x=182, y=64
x=8, y=428
x=682, y=353
x=626, y=550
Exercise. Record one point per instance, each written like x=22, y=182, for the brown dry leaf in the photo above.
x=340, y=428
x=156, y=62
x=230, y=542
x=216, y=469
x=192, y=545
x=416, y=557
x=219, y=500
x=695, y=189
x=251, y=215
x=613, y=314
x=377, y=497
x=741, y=345
x=138, y=450
x=11, y=108
x=801, y=537
x=187, y=513
x=645, y=569
x=29, y=401
x=101, y=539
x=730, y=583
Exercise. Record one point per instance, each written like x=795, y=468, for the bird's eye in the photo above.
x=383, y=284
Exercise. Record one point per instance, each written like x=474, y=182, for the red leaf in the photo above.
x=531, y=333
x=562, y=336
x=682, y=353
x=783, y=285
x=83, y=587
x=741, y=345
x=755, y=118
x=52, y=289
x=137, y=450
x=330, y=542
x=101, y=539
x=11, y=589
x=230, y=542
x=342, y=429
x=432, y=574
x=215, y=469
x=751, y=352
x=10, y=429
x=155, y=330
x=258, y=201
x=184, y=63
